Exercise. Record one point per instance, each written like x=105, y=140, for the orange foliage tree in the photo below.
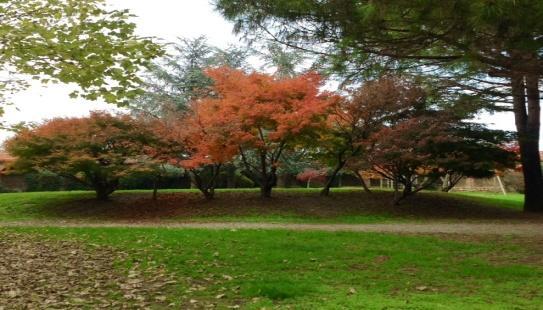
x=259, y=116
x=195, y=143
x=95, y=151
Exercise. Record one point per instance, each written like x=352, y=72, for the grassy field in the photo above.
x=316, y=270
x=287, y=205
x=265, y=269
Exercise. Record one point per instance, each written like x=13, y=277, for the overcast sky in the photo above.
x=165, y=19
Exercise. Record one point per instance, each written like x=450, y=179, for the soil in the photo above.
x=184, y=206
x=500, y=229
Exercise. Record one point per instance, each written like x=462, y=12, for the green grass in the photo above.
x=30, y=206
x=346, y=205
x=512, y=201
x=319, y=270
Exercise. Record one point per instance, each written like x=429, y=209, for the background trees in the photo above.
x=178, y=78
x=95, y=151
x=490, y=49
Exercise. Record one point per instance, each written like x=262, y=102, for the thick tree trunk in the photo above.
x=269, y=181
x=528, y=124
x=103, y=189
x=266, y=191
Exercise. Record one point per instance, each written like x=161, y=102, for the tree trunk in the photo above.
x=104, y=188
x=361, y=179
x=408, y=189
x=155, y=187
x=326, y=190
x=266, y=191
x=208, y=190
x=528, y=124
x=269, y=181
x=445, y=182
x=209, y=193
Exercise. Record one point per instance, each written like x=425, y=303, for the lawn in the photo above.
x=346, y=205
x=264, y=269
x=256, y=269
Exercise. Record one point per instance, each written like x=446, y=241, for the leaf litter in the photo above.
x=38, y=272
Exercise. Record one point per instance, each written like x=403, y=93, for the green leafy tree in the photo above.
x=73, y=41
x=177, y=79
x=490, y=48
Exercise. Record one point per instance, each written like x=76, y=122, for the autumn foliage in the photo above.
x=96, y=151
x=389, y=126
x=258, y=117
x=309, y=175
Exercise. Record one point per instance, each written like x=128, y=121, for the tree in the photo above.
x=309, y=175
x=492, y=49
x=95, y=151
x=209, y=146
x=357, y=117
x=192, y=141
x=480, y=153
x=77, y=42
x=177, y=79
x=417, y=151
x=263, y=116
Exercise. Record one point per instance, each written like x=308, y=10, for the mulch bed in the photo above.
x=130, y=206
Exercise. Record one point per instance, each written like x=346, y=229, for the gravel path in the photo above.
x=521, y=229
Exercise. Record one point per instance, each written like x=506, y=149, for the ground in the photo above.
x=483, y=253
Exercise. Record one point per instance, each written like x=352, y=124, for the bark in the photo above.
x=361, y=179
x=340, y=164
x=104, y=188
x=268, y=182
x=206, y=188
x=450, y=181
x=407, y=189
x=527, y=120
x=266, y=191
x=155, y=187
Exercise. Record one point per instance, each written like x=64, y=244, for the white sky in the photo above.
x=165, y=19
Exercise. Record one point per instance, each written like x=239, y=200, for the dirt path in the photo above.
x=521, y=229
